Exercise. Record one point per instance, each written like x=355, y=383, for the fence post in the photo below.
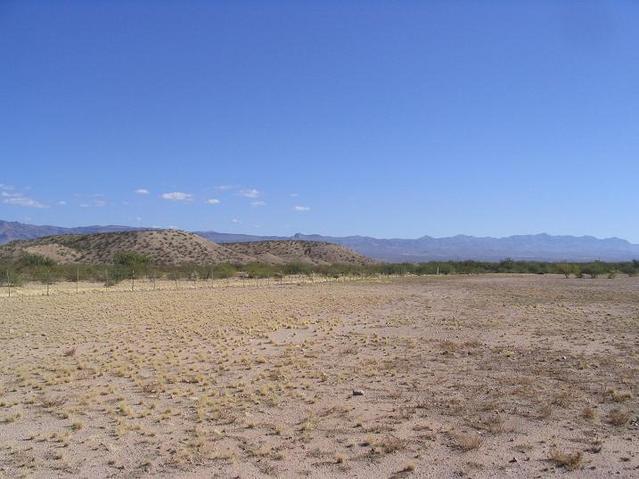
x=47, y=281
x=132, y=279
x=8, y=283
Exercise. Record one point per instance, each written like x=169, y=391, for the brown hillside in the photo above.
x=291, y=251
x=172, y=247
x=169, y=247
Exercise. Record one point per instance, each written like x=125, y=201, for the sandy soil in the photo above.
x=484, y=376
x=169, y=286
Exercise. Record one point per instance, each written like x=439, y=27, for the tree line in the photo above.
x=127, y=265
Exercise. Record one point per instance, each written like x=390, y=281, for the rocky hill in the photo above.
x=173, y=247
x=287, y=251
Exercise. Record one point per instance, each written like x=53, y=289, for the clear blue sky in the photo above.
x=392, y=119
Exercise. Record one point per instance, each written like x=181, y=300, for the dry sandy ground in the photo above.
x=171, y=287
x=484, y=376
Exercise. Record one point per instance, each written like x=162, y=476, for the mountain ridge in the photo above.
x=537, y=247
x=174, y=247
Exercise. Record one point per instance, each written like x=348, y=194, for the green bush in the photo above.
x=34, y=260
x=131, y=259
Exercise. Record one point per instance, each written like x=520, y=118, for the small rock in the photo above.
x=514, y=459
x=358, y=392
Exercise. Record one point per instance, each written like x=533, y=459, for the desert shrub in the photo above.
x=260, y=270
x=297, y=268
x=11, y=277
x=131, y=259
x=629, y=268
x=567, y=269
x=34, y=260
x=595, y=269
x=506, y=266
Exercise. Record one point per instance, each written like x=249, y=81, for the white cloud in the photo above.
x=294, y=195
x=250, y=193
x=94, y=204
x=177, y=196
x=213, y=201
x=18, y=199
x=141, y=191
x=224, y=187
x=257, y=204
x=301, y=208
x=235, y=221
x=62, y=203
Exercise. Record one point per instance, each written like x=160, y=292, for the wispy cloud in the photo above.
x=95, y=200
x=293, y=195
x=236, y=221
x=249, y=193
x=257, y=204
x=97, y=203
x=177, y=196
x=18, y=199
x=213, y=201
x=141, y=191
x=301, y=208
x=224, y=187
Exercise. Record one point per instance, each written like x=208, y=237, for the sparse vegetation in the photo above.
x=619, y=417
x=568, y=460
x=471, y=370
x=466, y=441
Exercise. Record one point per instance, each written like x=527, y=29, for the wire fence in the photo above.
x=151, y=283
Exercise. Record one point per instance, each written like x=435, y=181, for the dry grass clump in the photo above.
x=618, y=396
x=544, y=411
x=410, y=467
x=619, y=417
x=588, y=413
x=389, y=444
x=570, y=461
x=70, y=352
x=562, y=399
x=466, y=441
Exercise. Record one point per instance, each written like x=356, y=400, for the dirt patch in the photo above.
x=484, y=376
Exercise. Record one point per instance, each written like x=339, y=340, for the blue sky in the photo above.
x=392, y=119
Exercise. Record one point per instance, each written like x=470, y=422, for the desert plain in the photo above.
x=459, y=376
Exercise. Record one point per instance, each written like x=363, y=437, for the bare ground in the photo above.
x=483, y=376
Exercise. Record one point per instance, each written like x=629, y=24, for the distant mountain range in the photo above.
x=539, y=247
x=13, y=230
x=542, y=247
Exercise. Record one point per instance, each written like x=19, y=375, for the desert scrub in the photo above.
x=568, y=460
x=466, y=441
